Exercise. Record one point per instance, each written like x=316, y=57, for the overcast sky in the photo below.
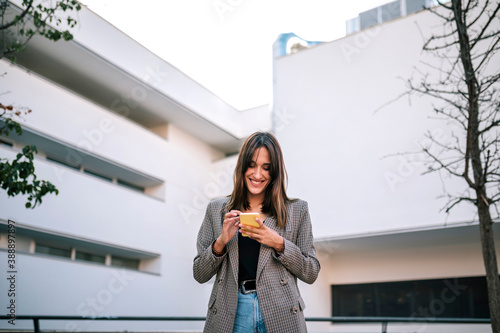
x=226, y=45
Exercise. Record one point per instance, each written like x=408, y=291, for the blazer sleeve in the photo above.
x=300, y=257
x=206, y=263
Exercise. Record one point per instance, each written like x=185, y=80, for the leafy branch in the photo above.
x=35, y=19
x=18, y=176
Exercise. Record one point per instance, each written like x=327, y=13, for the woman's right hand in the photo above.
x=229, y=229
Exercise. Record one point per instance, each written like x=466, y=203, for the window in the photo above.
x=90, y=257
x=390, y=11
x=53, y=251
x=2, y=142
x=414, y=5
x=79, y=250
x=353, y=300
x=60, y=251
x=124, y=262
x=95, y=174
x=129, y=185
x=121, y=182
x=441, y=298
x=369, y=18
x=65, y=163
x=394, y=299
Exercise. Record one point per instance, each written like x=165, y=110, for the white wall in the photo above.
x=336, y=144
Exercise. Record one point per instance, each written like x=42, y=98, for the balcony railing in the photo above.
x=384, y=321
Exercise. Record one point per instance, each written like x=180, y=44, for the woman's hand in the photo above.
x=229, y=229
x=263, y=235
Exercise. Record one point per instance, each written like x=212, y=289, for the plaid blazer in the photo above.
x=279, y=297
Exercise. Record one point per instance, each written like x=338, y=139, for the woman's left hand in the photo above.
x=263, y=235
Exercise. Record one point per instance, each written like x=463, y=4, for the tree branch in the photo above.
x=457, y=201
x=492, y=17
x=23, y=14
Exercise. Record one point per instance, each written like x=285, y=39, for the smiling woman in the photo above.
x=257, y=175
x=256, y=289
x=260, y=178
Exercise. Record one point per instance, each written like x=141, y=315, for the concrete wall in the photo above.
x=345, y=121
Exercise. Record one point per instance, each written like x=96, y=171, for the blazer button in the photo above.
x=283, y=282
x=220, y=282
x=214, y=311
x=294, y=310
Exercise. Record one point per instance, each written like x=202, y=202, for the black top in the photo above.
x=248, y=258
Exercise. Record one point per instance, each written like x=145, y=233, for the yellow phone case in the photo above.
x=249, y=219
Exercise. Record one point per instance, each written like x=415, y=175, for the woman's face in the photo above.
x=257, y=176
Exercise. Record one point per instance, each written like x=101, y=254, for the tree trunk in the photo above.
x=490, y=263
x=473, y=155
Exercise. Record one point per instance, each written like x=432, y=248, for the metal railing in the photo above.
x=384, y=321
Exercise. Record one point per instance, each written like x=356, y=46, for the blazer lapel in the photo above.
x=266, y=251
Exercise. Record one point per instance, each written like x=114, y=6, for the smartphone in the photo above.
x=249, y=219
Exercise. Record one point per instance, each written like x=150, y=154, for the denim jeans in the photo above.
x=248, y=316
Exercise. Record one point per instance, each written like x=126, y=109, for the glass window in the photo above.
x=129, y=185
x=353, y=300
x=53, y=251
x=90, y=257
x=391, y=11
x=474, y=297
x=2, y=142
x=368, y=18
x=98, y=175
x=124, y=262
x=433, y=298
x=65, y=163
x=437, y=298
x=414, y=5
x=394, y=299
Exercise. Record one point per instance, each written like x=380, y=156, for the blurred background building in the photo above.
x=137, y=150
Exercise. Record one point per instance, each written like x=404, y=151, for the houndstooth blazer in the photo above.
x=279, y=297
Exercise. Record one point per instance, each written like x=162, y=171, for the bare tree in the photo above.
x=467, y=88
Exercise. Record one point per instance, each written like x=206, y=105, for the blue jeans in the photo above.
x=248, y=316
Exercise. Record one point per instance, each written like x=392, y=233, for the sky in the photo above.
x=226, y=45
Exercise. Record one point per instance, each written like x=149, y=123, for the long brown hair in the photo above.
x=275, y=199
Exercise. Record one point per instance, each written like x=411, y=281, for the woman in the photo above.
x=256, y=284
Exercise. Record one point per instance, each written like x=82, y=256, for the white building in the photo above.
x=137, y=149
x=386, y=247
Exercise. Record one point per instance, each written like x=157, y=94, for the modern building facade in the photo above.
x=386, y=246
x=137, y=150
